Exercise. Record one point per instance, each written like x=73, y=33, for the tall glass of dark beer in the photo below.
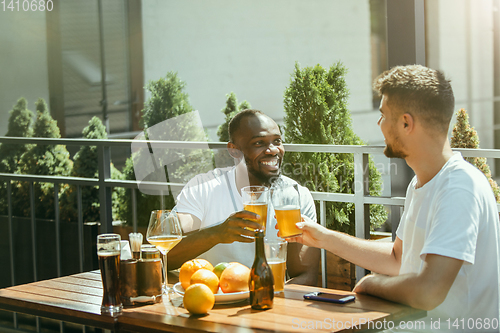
x=108, y=251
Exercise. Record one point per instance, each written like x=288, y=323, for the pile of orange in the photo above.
x=201, y=281
x=189, y=268
x=198, y=299
x=206, y=277
x=234, y=278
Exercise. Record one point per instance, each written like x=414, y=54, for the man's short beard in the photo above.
x=261, y=177
x=389, y=152
x=265, y=180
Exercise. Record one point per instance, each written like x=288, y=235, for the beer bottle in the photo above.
x=261, y=282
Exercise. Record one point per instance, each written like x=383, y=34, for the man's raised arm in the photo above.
x=198, y=241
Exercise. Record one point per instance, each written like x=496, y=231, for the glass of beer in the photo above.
x=275, y=250
x=286, y=202
x=108, y=251
x=164, y=232
x=255, y=199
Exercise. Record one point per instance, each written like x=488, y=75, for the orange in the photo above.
x=206, y=277
x=234, y=278
x=220, y=267
x=198, y=299
x=189, y=267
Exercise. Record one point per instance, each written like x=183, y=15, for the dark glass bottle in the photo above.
x=261, y=282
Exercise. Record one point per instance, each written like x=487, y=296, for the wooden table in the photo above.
x=77, y=299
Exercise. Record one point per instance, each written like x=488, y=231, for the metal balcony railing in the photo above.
x=360, y=198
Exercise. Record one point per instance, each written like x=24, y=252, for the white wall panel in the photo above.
x=23, y=61
x=250, y=47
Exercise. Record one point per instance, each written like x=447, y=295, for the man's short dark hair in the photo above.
x=234, y=124
x=423, y=92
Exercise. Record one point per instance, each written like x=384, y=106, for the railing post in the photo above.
x=80, y=226
x=134, y=209
x=400, y=176
x=322, y=220
x=106, y=217
x=11, y=233
x=33, y=230
x=361, y=210
x=11, y=244
x=57, y=228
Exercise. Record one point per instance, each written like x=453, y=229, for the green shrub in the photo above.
x=86, y=166
x=168, y=100
x=222, y=157
x=316, y=113
x=230, y=110
x=19, y=125
x=48, y=160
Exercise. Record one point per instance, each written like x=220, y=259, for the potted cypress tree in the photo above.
x=230, y=110
x=316, y=113
x=19, y=125
x=168, y=100
x=86, y=166
x=49, y=160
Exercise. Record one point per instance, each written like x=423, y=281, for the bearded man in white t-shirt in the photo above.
x=446, y=256
x=210, y=206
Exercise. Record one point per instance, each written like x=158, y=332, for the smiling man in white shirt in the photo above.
x=210, y=206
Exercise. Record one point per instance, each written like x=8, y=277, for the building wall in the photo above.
x=460, y=43
x=23, y=61
x=251, y=47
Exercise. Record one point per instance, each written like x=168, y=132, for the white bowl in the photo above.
x=220, y=297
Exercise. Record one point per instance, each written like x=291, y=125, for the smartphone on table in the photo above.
x=327, y=297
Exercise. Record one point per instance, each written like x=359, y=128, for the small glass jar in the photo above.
x=149, y=277
x=149, y=251
x=128, y=281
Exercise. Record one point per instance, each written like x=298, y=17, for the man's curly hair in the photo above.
x=423, y=92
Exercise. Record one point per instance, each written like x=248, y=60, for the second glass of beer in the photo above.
x=255, y=199
x=108, y=251
x=275, y=250
x=286, y=202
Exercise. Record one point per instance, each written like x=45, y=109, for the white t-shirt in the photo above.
x=455, y=215
x=213, y=196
